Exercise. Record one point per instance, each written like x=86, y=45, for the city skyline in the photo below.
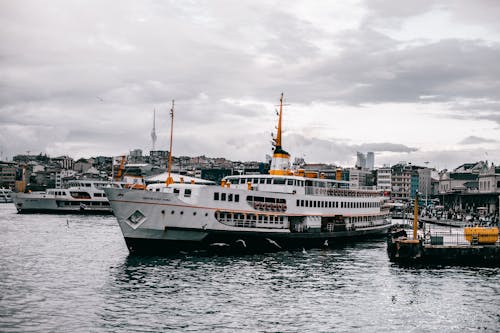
x=415, y=82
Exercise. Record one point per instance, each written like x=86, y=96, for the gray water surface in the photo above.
x=70, y=273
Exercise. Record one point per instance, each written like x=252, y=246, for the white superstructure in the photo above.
x=80, y=196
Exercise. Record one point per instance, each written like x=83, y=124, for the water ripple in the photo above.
x=73, y=273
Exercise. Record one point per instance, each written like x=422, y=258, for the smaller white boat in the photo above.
x=81, y=196
x=5, y=195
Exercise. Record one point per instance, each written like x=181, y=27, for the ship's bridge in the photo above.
x=295, y=185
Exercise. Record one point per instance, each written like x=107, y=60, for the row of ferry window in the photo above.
x=336, y=204
x=96, y=195
x=363, y=218
x=276, y=181
x=226, y=197
x=235, y=217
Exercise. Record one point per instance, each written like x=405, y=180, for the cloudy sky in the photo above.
x=412, y=81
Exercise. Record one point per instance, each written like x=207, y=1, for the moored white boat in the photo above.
x=5, y=195
x=81, y=196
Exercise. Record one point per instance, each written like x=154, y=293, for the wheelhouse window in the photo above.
x=270, y=180
x=236, y=198
x=289, y=181
x=279, y=181
x=187, y=192
x=223, y=196
x=216, y=195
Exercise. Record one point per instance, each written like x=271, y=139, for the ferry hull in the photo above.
x=175, y=240
x=158, y=222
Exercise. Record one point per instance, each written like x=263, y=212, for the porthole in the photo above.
x=194, y=213
x=206, y=214
x=172, y=212
x=182, y=213
x=163, y=212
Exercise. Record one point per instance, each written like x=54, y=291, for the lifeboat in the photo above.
x=481, y=235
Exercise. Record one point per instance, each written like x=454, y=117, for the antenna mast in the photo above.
x=153, y=131
x=169, y=179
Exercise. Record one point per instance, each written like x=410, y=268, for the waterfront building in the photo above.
x=370, y=160
x=489, y=180
x=82, y=164
x=401, y=181
x=470, y=186
x=365, y=161
x=360, y=177
x=135, y=156
x=424, y=182
x=66, y=162
x=7, y=174
x=384, y=179
x=360, y=160
x=158, y=158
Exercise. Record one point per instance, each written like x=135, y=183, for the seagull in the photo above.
x=219, y=244
x=273, y=242
x=325, y=243
x=242, y=242
x=304, y=251
x=99, y=98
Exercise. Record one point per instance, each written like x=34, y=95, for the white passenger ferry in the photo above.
x=81, y=196
x=284, y=209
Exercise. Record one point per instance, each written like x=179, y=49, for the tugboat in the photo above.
x=284, y=209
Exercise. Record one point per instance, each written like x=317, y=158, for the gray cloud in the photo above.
x=84, y=78
x=473, y=140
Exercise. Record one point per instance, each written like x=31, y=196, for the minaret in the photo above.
x=280, y=164
x=153, y=131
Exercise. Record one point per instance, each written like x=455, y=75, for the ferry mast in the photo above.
x=280, y=163
x=169, y=178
